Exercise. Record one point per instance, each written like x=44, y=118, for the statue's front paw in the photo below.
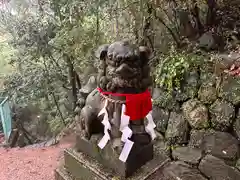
x=117, y=145
x=86, y=135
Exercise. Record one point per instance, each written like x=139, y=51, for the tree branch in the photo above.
x=168, y=28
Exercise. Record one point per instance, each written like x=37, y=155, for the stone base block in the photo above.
x=62, y=174
x=83, y=167
x=109, y=158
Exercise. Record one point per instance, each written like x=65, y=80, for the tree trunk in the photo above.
x=97, y=27
x=78, y=81
x=148, y=36
x=186, y=27
x=195, y=13
x=117, y=22
x=211, y=14
x=58, y=108
x=52, y=92
x=175, y=38
x=72, y=79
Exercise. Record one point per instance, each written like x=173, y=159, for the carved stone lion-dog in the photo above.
x=122, y=69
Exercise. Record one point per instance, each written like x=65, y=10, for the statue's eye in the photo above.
x=119, y=59
x=110, y=56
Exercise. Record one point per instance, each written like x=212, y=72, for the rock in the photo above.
x=89, y=87
x=238, y=164
x=89, y=71
x=207, y=92
x=177, y=129
x=160, y=117
x=47, y=143
x=225, y=61
x=159, y=136
x=220, y=144
x=181, y=95
x=216, y=169
x=156, y=93
x=22, y=141
x=187, y=154
x=236, y=125
x=196, y=138
x=189, y=86
x=191, y=79
x=207, y=71
x=51, y=142
x=222, y=114
x=230, y=89
x=207, y=41
x=164, y=99
x=160, y=147
x=222, y=62
x=34, y=121
x=181, y=171
x=196, y=114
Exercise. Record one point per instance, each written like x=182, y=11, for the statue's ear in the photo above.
x=144, y=53
x=101, y=53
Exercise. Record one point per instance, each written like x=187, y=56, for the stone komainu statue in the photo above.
x=118, y=107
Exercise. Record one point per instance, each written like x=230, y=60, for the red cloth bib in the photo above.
x=137, y=105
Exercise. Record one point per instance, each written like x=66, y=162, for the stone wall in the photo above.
x=197, y=127
x=200, y=125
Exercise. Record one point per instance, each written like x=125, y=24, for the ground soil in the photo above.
x=32, y=163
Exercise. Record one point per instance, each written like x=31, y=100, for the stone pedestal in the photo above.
x=139, y=155
x=87, y=161
x=78, y=166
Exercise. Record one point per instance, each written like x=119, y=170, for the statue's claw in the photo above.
x=117, y=145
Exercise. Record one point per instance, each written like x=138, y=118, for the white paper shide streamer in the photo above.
x=124, y=128
x=150, y=126
x=126, y=134
x=107, y=126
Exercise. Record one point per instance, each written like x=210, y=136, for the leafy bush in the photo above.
x=170, y=72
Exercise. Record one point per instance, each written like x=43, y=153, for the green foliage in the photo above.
x=48, y=38
x=46, y=42
x=6, y=53
x=170, y=72
x=55, y=125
